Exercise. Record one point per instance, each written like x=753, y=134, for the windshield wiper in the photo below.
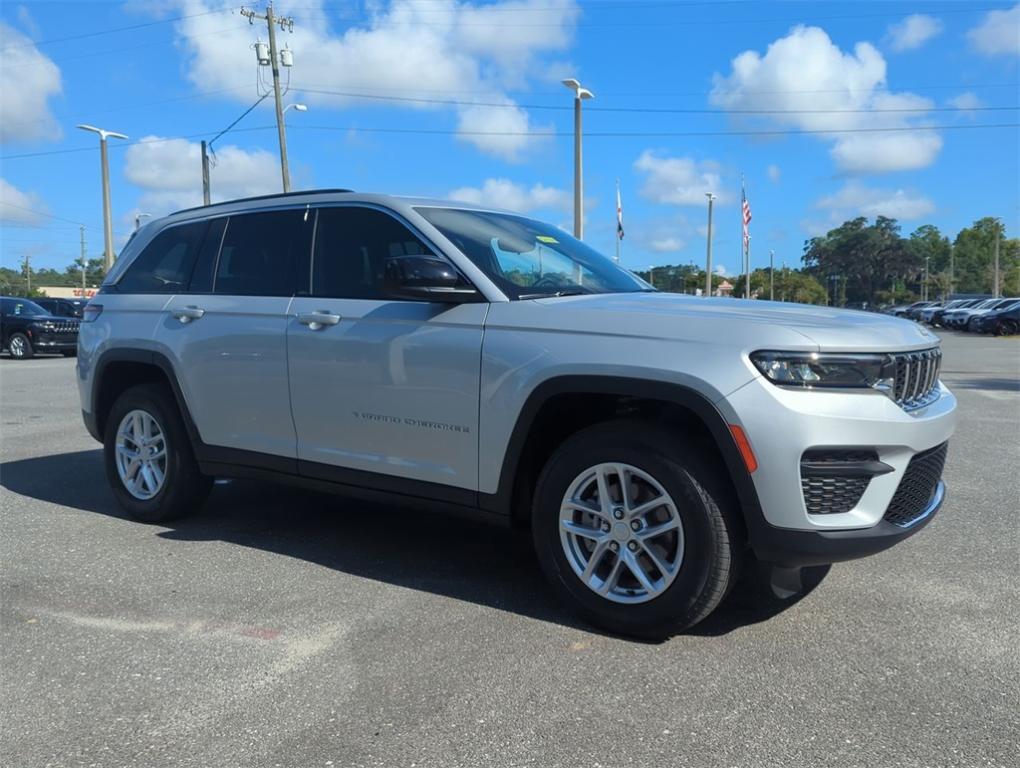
x=557, y=294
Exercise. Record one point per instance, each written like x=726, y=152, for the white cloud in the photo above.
x=998, y=33
x=774, y=174
x=18, y=207
x=856, y=199
x=667, y=245
x=28, y=82
x=678, y=180
x=811, y=85
x=169, y=173
x=448, y=50
x=503, y=193
x=913, y=32
x=965, y=101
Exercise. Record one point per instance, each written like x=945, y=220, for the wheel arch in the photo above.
x=549, y=415
x=122, y=368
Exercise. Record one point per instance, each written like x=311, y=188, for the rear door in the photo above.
x=227, y=334
x=381, y=386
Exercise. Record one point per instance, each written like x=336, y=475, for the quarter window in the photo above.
x=164, y=266
x=261, y=251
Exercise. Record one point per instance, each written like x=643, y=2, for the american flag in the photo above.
x=619, y=214
x=746, y=212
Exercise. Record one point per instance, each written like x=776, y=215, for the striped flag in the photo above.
x=619, y=213
x=746, y=213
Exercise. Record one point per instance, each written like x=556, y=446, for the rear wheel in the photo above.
x=630, y=529
x=149, y=461
x=1008, y=327
x=20, y=347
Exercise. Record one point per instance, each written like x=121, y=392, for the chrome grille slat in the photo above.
x=917, y=378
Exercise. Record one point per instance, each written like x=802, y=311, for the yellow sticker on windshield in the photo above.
x=546, y=239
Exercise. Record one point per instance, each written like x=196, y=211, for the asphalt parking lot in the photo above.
x=282, y=628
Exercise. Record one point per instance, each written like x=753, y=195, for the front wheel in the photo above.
x=149, y=461
x=20, y=347
x=633, y=529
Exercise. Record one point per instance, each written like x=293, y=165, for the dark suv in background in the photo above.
x=26, y=329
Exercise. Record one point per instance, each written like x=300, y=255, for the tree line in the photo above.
x=25, y=281
x=870, y=264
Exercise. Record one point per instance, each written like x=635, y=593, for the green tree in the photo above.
x=864, y=259
x=927, y=244
x=974, y=255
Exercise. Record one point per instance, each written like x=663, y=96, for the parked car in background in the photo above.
x=957, y=318
x=903, y=309
x=963, y=320
x=934, y=315
x=63, y=307
x=1002, y=322
x=976, y=322
x=26, y=329
x=914, y=311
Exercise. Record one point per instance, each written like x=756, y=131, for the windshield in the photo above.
x=529, y=259
x=26, y=308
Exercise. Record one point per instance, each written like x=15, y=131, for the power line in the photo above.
x=647, y=110
x=42, y=213
x=114, y=30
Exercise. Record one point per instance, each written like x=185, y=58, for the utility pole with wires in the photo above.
x=275, y=59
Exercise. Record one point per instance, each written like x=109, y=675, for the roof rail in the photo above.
x=264, y=197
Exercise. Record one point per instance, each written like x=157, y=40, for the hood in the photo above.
x=755, y=324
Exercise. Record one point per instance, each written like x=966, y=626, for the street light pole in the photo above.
x=107, y=215
x=708, y=256
x=772, y=275
x=580, y=94
x=995, y=282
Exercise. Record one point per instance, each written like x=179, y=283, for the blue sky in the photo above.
x=465, y=95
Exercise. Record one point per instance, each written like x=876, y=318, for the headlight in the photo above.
x=811, y=369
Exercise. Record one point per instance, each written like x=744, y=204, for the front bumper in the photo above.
x=782, y=424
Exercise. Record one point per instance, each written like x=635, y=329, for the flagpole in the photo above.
x=619, y=221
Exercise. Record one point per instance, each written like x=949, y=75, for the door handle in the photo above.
x=318, y=320
x=187, y=314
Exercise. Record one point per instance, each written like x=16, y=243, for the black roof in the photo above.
x=265, y=197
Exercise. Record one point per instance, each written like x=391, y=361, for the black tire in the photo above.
x=20, y=347
x=711, y=550
x=1008, y=327
x=70, y=353
x=184, y=488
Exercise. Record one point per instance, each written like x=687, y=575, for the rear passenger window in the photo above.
x=351, y=248
x=260, y=252
x=164, y=266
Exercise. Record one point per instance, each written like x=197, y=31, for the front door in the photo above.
x=380, y=385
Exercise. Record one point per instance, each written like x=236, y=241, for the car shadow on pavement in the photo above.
x=396, y=544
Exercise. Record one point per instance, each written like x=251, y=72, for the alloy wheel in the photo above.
x=621, y=533
x=17, y=345
x=141, y=454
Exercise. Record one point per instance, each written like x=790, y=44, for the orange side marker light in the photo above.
x=744, y=446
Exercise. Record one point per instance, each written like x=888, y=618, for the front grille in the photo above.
x=61, y=327
x=918, y=486
x=832, y=495
x=917, y=378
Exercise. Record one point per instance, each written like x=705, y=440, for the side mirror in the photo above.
x=425, y=278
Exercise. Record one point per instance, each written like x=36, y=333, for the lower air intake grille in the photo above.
x=918, y=486
x=832, y=495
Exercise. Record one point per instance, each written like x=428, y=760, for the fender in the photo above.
x=676, y=394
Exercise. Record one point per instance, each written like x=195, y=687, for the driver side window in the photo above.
x=351, y=248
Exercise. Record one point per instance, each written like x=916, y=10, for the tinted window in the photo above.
x=351, y=248
x=205, y=264
x=260, y=252
x=165, y=264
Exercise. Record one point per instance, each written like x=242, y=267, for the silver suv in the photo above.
x=486, y=362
